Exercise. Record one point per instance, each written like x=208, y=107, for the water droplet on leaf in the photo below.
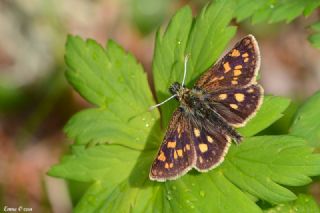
x=169, y=197
x=190, y=204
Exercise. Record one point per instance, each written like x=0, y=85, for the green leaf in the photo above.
x=110, y=171
x=270, y=111
x=315, y=40
x=276, y=11
x=315, y=37
x=306, y=122
x=207, y=192
x=10, y=98
x=304, y=204
x=261, y=163
x=246, y=8
x=121, y=183
x=96, y=163
x=113, y=81
x=310, y=7
x=315, y=26
x=273, y=11
x=257, y=167
x=208, y=38
x=169, y=56
x=288, y=11
x=148, y=14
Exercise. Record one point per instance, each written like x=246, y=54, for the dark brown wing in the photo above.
x=176, y=155
x=211, y=145
x=238, y=68
x=237, y=105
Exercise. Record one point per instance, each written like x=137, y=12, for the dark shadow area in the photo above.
x=139, y=176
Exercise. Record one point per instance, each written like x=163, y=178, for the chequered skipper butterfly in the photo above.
x=200, y=131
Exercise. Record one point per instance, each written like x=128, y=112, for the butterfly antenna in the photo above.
x=185, y=69
x=183, y=80
x=159, y=104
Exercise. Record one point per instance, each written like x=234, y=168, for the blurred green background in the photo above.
x=36, y=101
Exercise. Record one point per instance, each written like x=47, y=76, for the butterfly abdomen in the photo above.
x=216, y=121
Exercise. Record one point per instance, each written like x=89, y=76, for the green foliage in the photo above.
x=204, y=42
x=261, y=162
x=274, y=11
x=306, y=123
x=10, y=98
x=303, y=204
x=115, y=83
x=148, y=14
x=129, y=136
x=270, y=111
x=315, y=37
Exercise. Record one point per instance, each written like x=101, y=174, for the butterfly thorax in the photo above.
x=195, y=105
x=189, y=99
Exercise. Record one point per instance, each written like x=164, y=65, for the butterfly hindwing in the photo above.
x=237, y=105
x=237, y=68
x=211, y=145
x=176, y=154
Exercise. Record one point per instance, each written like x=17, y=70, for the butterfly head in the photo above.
x=175, y=88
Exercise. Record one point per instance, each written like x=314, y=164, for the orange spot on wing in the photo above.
x=250, y=90
x=234, y=106
x=161, y=156
x=196, y=132
x=239, y=97
x=203, y=147
x=235, y=53
x=210, y=140
x=222, y=96
x=237, y=72
x=171, y=144
x=188, y=147
x=226, y=67
x=245, y=55
x=166, y=165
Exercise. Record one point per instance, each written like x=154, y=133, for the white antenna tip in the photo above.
x=152, y=108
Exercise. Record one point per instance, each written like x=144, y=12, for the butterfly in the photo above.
x=200, y=131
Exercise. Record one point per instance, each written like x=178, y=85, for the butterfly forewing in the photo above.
x=237, y=105
x=176, y=154
x=237, y=68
